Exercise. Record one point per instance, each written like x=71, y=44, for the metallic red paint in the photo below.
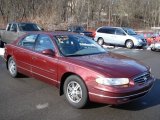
x=89, y=68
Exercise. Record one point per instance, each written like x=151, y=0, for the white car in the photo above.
x=119, y=36
x=155, y=46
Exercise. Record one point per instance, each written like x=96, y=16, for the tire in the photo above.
x=100, y=41
x=153, y=49
x=12, y=67
x=129, y=44
x=142, y=47
x=1, y=44
x=75, y=92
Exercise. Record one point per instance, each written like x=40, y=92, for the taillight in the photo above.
x=93, y=34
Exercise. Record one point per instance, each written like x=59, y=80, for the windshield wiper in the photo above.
x=74, y=55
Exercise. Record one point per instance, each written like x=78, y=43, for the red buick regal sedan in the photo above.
x=81, y=69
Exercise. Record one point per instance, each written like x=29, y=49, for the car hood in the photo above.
x=138, y=36
x=110, y=64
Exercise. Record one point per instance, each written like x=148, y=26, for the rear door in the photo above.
x=106, y=34
x=23, y=53
x=44, y=67
x=11, y=34
x=5, y=33
x=109, y=35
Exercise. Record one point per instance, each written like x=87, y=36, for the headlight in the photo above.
x=112, y=81
x=139, y=40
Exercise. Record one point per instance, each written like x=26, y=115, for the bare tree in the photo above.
x=50, y=13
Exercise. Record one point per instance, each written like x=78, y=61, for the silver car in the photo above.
x=119, y=36
x=155, y=46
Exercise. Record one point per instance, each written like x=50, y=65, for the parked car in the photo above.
x=151, y=37
x=119, y=36
x=148, y=36
x=81, y=30
x=155, y=46
x=79, y=67
x=15, y=30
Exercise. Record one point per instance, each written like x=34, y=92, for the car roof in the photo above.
x=21, y=23
x=126, y=28
x=114, y=27
x=75, y=26
x=52, y=33
x=109, y=27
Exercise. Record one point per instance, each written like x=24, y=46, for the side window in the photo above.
x=119, y=32
x=110, y=31
x=102, y=30
x=43, y=42
x=107, y=30
x=28, y=41
x=13, y=27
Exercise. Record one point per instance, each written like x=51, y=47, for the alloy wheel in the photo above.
x=74, y=92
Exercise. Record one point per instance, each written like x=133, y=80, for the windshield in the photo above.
x=77, y=45
x=129, y=31
x=28, y=27
x=79, y=28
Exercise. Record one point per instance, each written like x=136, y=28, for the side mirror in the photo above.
x=48, y=52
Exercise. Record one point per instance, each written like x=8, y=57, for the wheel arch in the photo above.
x=131, y=41
x=64, y=77
x=103, y=42
x=8, y=56
x=100, y=38
x=128, y=40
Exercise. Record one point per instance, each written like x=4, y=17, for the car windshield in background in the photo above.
x=77, y=45
x=81, y=29
x=29, y=27
x=129, y=31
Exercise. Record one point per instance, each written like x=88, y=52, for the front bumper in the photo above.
x=117, y=96
x=141, y=44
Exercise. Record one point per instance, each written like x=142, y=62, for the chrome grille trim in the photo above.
x=143, y=78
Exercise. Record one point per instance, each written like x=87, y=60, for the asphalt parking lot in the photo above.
x=26, y=98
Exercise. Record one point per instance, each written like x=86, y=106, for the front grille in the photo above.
x=143, y=40
x=143, y=78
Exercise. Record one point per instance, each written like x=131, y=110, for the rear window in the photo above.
x=28, y=27
x=107, y=30
x=28, y=41
x=101, y=30
x=111, y=31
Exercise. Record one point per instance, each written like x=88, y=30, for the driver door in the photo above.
x=44, y=67
x=120, y=37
